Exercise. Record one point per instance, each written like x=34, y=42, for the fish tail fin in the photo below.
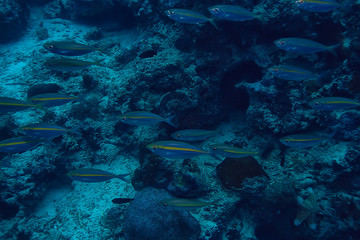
x=42, y=108
x=104, y=51
x=99, y=62
x=212, y=21
x=332, y=49
x=170, y=119
x=76, y=131
x=124, y=177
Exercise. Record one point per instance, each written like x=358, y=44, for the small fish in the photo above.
x=230, y=151
x=193, y=135
x=14, y=105
x=188, y=16
x=46, y=130
x=122, y=200
x=303, y=46
x=51, y=99
x=143, y=118
x=175, y=149
x=292, y=73
x=302, y=140
x=18, y=144
x=68, y=64
x=317, y=5
x=91, y=175
x=333, y=103
x=232, y=13
x=69, y=48
x=185, y=204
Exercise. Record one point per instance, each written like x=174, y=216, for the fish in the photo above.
x=46, y=130
x=122, y=200
x=185, y=204
x=308, y=209
x=51, y=99
x=189, y=135
x=232, y=13
x=18, y=144
x=303, y=46
x=68, y=64
x=302, y=140
x=91, y=175
x=188, y=16
x=333, y=103
x=230, y=151
x=69, y=48
x=143, y=118
x=292, y=73
x=175, y=149
x=317, y=5
x=14, y=105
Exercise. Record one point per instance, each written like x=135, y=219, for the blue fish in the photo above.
x=333, y=103
x=69, y=48
x=292, y=73
x=91, y=175
x=188, y=16
x=189, y=135
x=232, y=13
x=18, y=144
x=317, y=5
x=303, y=46
x=46, y=130
x=230, y=151
x=14, y=105
x=51, y=99
x=302, y=140
x=175, y=149
x=143, y=118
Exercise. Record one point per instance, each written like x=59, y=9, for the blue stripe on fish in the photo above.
x=303, y=46
x=333, y=103
x=302, y=140
x=317, y=5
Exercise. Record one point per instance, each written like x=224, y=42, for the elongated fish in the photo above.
x=122, y=200
x=232, y=13
x=302, y=140
x=333, y=103
x=188, y=16
x=189, y=135
x=292, y=73
x=175, y=149
x=91, y=175
x=46, y=130
x=68, y=64
x=230, y=151
x=69, y=48
x=143, y=118
x=303, y=46
x=185, y=204
x=14, y=105
x=51, y=99
x=18, y=144
x=317, y=5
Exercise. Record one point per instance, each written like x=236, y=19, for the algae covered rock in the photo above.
x=232, y=172
x=146, y=218
x=13, y=16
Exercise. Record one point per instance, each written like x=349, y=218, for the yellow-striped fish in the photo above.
x=175, y=149
x=14, y=105
x=188, y=16
x=317, y=5
x=302, y=140
x=18, y=144
x=51, y=99
x=230, y=151
x=91, y=175
x=143, y=118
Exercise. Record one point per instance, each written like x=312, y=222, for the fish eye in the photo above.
x=215, y=9
x=123, y=118
x=316, y=103
x=165, y=204
x=287, y=140
x=171, y=12
x=276, y=69
x=178, y=136
x=281, y=42
x=50, y=46
x=154, y=147
x=300, y=1
x=214, y=148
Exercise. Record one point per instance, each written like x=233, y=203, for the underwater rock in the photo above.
x=233, y=171
x=147, y=219
x=42, y=88
x=13, y=15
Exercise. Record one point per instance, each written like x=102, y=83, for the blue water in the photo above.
x=93, y=171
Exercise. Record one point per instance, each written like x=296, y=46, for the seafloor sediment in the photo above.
x=215, y=79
